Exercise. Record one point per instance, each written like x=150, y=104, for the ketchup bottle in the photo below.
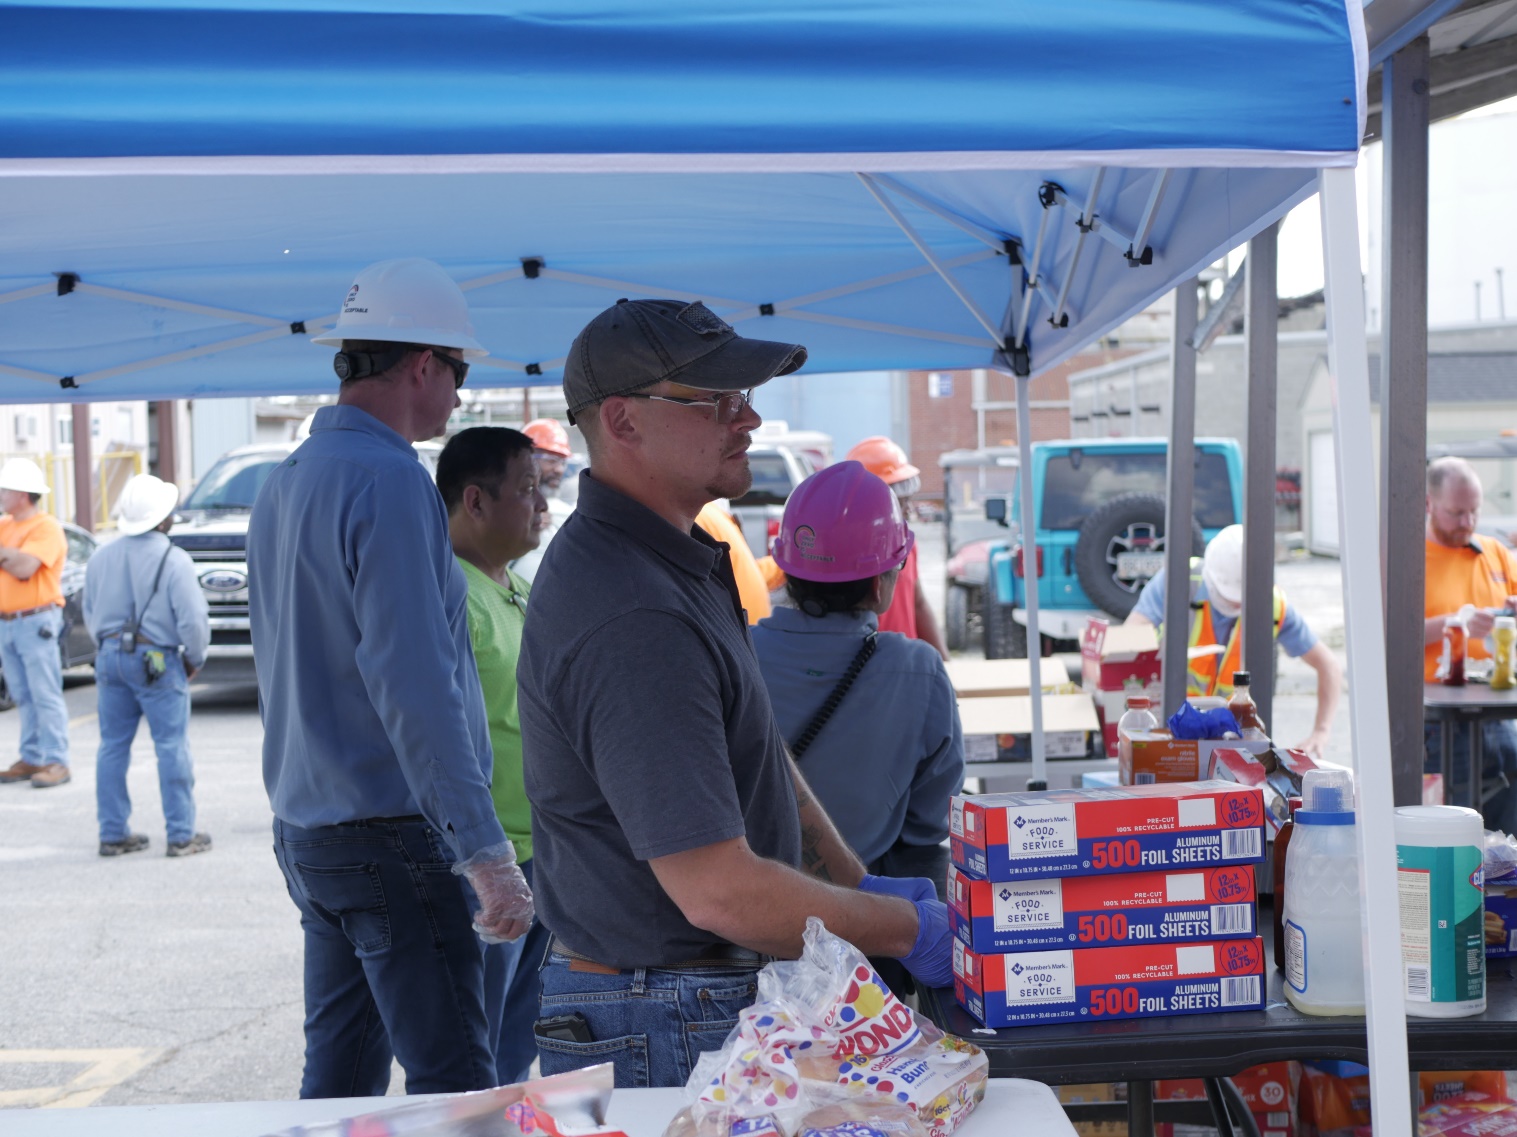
x=1244, y=709
x=1451, y=667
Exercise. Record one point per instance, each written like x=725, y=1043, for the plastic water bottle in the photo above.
x=1324, y=954
x=1136, y=719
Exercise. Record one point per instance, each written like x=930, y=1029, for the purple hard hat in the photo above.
x=842, y=524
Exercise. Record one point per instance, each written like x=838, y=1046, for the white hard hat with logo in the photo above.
x=144, y=502
x=1222, y=568
x=411, y=300
x=23, y=475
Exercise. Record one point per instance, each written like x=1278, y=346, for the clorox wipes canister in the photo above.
x=1442, y=893
x=1324, y=962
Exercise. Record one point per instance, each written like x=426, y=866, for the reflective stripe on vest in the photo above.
x=1213, y=674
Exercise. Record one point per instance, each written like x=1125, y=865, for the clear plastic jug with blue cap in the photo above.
x=1324, y=961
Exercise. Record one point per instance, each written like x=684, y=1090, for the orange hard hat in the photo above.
x=549, y=435
x=884, y=459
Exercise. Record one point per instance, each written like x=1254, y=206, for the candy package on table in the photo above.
x=572, y=1104
x=828, y=1051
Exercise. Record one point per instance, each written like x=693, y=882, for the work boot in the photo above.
x=21, y=771
x=53, y=774
x=199, y=843
x=131, y=843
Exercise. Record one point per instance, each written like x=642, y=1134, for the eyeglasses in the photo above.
x=728, y=407
x=460, y=366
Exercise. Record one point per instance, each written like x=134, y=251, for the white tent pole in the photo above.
x=1359, y=544
x=1031, y=577
x=28, y=292
x=1146, y=226
x=891, y=329
x=979, y=233
x=181, y=305
x=1034, y=275
x=931, y=258
x=1085, y=221
x=873, y=282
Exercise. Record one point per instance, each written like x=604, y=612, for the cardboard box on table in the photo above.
x=999, y=728
x=992, y=678
x=1092, y=984
x=1023, y=836
x=1156, y=757
x=1092, y=911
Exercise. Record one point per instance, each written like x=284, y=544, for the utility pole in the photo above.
x=1477, y=302
x=1500, y=297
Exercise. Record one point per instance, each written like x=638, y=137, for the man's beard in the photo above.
x=1453, y=538
x=731, y=484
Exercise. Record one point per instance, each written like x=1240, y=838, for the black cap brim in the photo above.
x=740, y=363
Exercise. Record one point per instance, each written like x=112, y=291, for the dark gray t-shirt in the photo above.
x=646, y=728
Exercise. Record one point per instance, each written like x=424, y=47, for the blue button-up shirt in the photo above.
x=892, y=755
x=118, y=584
x=370, y=698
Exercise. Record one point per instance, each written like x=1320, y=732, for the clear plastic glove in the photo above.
x=931, y=958
x=505, y=902
x=911, y=888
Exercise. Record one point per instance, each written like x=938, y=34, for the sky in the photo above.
x=1472, y=226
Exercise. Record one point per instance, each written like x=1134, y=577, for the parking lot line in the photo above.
x=103, y=1070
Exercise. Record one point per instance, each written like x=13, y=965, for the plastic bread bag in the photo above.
x=827, y=1031
x=572, y=1104
x=1500, y=858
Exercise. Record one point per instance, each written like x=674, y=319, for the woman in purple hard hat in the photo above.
x=870, y=716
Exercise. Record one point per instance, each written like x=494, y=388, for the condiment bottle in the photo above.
x=1451, y=666
x=1137, y=719
x=1244, y=709
x=1504, y=636
x=1282, y=842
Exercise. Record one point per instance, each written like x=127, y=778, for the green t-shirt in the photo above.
x=495, y=624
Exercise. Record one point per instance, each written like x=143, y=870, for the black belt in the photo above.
x=717, y=955
x=27, y=612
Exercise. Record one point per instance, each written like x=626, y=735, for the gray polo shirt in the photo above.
x=646, y=728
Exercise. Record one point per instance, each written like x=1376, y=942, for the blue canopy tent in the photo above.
x=187, y=187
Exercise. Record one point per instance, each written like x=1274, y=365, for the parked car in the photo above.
x=75, y=645
x=776, y=471
x=970, y=478
x=212, y=526
x=1098, y=534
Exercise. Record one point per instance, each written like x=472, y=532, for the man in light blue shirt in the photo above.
x=144, y=608
x=376, y=753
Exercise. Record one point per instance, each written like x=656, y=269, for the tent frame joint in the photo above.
x=532, y=267
x=67, y=281
x=766, y=309
x=67, y=383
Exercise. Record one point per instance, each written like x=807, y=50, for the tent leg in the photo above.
x=1181, y=498
x=1403, y=398
x=1359, y=543
x=1031, y=575
x=84, y=482
x=1260, y=327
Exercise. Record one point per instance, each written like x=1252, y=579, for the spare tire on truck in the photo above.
x=1110, y=540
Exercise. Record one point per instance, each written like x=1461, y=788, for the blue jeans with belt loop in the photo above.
x=33, y=668
x=123, y=698
x=652, y=1023
x=393, y=966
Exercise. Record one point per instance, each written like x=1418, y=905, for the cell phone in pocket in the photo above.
x=564, y=1028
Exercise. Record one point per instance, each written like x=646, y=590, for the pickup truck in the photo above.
x=1098, y=534
x=212, y=526
x=776, y=471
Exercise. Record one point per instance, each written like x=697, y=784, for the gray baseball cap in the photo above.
x=636, y=343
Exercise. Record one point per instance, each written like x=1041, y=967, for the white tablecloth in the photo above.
x=1030, y=1107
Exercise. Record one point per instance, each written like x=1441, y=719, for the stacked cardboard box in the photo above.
x=1117, y=661
x=1106, y=903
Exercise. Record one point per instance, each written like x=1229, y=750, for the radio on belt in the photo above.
x=1092, y=984
x=1099, y=911
x=1122, y=829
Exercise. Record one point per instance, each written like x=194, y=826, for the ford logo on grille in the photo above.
x=224, y=580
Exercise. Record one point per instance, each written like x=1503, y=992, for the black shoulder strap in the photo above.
x=819, y=720
x=157, y=577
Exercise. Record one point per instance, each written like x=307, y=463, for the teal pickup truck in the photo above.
x=1099, y=534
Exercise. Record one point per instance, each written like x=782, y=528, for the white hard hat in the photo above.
x=411, y=300
x=1222, y=569
x=144, y=502
x=22, y=474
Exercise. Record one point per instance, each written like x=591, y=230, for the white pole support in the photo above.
x=1031, y=577
x=1359, y=543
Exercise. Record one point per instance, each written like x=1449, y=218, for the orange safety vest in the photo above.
x=1204, y=673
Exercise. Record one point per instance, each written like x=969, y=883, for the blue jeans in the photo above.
x=33, y=668
x=393, y=967
x=511, y=994
x=652, y=1023
x=123, y=697
x=1499, y=742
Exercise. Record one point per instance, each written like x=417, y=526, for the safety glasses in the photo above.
x=728, y=407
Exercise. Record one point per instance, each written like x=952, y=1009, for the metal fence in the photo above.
x=113, y=468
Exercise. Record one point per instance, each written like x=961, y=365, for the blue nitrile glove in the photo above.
x=911, y=888
x=1190, y=723
x=931, y=958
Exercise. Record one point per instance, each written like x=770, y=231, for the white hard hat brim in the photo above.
x=165, y=496
x=24, y=481
x=426, y=337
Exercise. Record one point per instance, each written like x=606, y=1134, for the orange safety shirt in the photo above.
x=42, y=537
x=1483, y=573
x=751, y=588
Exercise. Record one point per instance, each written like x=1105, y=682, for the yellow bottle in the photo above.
x=1505, y=637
